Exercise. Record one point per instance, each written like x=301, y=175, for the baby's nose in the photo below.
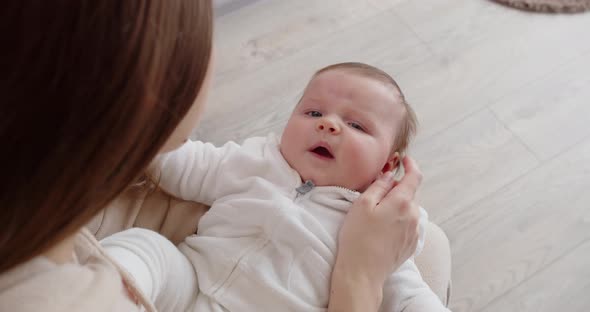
x=327, y=125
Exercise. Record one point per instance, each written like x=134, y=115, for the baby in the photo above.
x=269, y=241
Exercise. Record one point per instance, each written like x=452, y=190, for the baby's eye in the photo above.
x=356, y=126
x=314, y=114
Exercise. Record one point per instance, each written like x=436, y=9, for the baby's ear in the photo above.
x=392, y=163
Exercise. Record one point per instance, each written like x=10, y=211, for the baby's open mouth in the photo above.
x=322, y=151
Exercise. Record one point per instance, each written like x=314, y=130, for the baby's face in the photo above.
x=343, y=129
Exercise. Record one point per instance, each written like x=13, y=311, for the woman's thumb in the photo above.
x=377, y=191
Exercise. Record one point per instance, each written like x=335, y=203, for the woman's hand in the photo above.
x=379, y=233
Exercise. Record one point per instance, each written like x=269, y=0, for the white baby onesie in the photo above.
x=268, y=243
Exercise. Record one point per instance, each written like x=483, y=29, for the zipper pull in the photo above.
x=305, y=187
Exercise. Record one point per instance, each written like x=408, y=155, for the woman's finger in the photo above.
x=376, y=191
x=411, y=180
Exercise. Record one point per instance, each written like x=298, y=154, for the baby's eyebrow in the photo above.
x=358, y=112
x=306, y=102
x=369, y=118
x=369, y=123
x=362, y=117
x=310, y=98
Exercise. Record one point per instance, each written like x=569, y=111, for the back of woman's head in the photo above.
x=91, y=90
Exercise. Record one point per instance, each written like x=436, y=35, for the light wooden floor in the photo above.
x=504, y=143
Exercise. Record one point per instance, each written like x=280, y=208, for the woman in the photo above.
x=92, y=92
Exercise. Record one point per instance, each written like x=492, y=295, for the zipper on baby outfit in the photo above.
x=304, y=188
x=344, y=188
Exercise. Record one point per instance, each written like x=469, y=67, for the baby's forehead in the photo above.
x=335, y=79
x=369, y=93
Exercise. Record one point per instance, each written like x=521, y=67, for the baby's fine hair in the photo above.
x=409, y=123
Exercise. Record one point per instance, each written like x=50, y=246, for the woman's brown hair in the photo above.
x=91, y=90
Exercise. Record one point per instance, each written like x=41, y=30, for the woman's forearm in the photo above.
x=352, y=292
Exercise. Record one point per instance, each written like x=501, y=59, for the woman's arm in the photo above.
x=379, y=233
x=351, y=291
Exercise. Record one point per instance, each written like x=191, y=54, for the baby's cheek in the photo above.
x=367, y=152
x=362, y=162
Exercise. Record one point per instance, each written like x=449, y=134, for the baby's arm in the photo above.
x=406, y=291
x=160, y=270
x=192, y=171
